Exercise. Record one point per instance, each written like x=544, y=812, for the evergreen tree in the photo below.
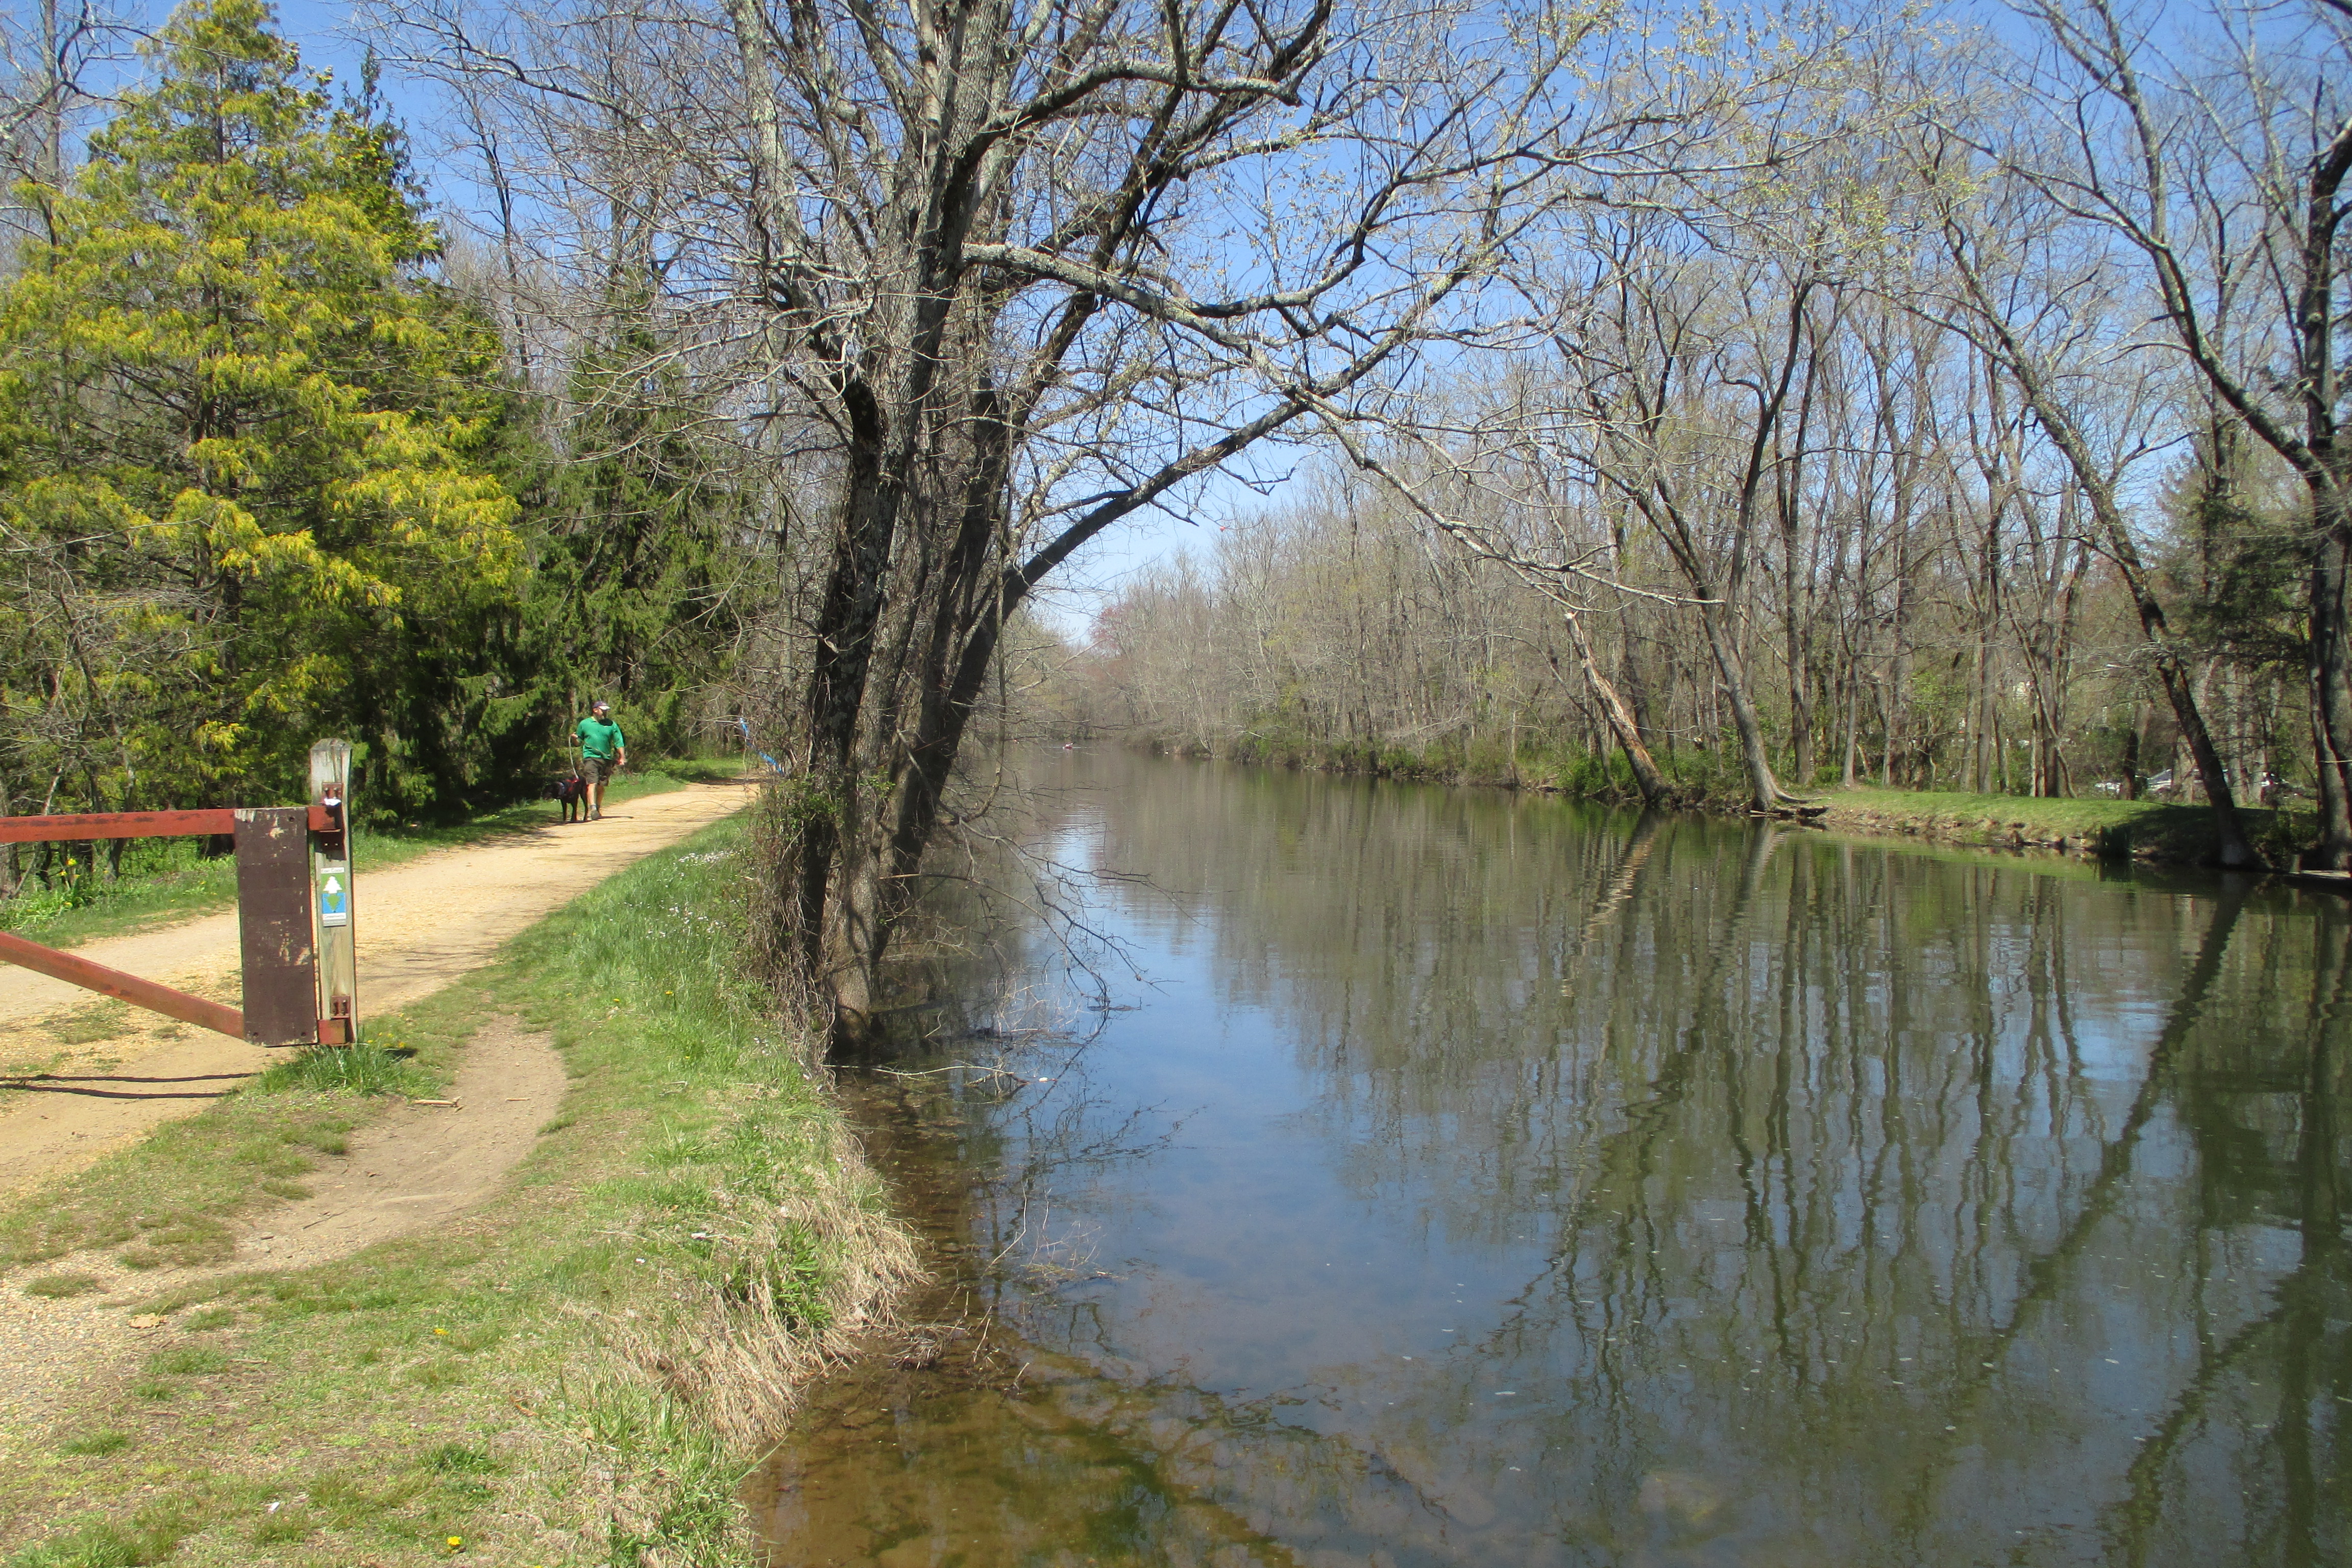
x=249, y=458
x=634, y=586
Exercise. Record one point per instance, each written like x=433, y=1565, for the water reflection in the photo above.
x=1481, y=1180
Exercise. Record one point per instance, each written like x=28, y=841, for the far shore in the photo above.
x=2099, y=827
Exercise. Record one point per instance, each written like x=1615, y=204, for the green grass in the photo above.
x=2110, y=828
x=149, y=1535
x=98, y=1021
x=582, y=1370
x=55, y=1286
x=364, y=1070
x=171, y=1199
x=166, y=879
x=188, y=1361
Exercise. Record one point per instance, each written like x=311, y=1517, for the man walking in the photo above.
x=602, y=747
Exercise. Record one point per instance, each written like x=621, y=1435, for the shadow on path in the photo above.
x=51, y=1083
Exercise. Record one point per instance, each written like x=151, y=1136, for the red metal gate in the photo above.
x=280, y=949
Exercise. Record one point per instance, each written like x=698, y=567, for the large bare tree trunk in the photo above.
x=998, y=254
x=1655, y=792
x=1715, y=620
x=2331, y=684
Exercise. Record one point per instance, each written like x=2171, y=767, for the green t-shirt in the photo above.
x=601, y=738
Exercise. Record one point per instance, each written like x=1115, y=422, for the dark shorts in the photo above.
x=596, y=770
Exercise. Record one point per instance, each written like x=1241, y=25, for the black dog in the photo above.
x=569, y=791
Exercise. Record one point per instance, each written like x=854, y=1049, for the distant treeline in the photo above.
x=1908, y=498
x=1976, y=643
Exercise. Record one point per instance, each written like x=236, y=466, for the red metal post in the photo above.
x=116, y=825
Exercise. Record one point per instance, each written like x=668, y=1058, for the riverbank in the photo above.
x=579, y=1367
x=2099, y=828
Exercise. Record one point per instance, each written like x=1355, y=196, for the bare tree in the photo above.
x=2225, y=179
x=56, y=57
x=1029, y=270
x=1676, y=365
x=2044, y=318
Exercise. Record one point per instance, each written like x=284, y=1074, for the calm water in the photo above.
x=1467, y=1180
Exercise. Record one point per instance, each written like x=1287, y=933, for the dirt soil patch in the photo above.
x=80, y=1078
x=405, y=1173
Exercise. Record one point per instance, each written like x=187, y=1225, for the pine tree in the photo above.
x=248, y=453
x=635, y=589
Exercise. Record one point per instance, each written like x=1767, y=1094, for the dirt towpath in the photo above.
x=407, y=1172
x=89, y=1078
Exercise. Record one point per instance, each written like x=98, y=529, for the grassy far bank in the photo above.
x=166, y=879
x=2098, y=826
x=577, y=1371
x=2107, y=828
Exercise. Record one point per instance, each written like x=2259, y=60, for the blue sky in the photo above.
x=326, y=34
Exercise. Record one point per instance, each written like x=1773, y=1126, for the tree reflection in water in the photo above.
x=1564, y=1188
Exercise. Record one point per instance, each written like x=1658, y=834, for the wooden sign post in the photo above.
x=330, y=895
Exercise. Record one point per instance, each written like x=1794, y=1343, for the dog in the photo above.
x=569, y=792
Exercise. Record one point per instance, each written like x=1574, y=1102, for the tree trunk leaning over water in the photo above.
x=979, y=271
x=1657, y=793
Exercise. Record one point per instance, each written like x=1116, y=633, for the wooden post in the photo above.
x=273, y=916
x=331, y=886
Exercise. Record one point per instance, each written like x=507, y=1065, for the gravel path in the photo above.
x=404, y=1174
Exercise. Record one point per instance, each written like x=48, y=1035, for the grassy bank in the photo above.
x=2100, y=826
x=165, y=879
x=578, y=1371
x=2107, y=829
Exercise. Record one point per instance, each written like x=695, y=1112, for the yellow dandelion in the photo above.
x=456, y=1542
x=440, y=1331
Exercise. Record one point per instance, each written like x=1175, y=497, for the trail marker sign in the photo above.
x=334, y=896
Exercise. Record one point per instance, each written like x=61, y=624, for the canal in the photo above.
x=1410, y=1176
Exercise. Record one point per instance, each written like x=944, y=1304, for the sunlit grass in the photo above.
x=500, y=1381
x=366, y=1069
x=2100, y=824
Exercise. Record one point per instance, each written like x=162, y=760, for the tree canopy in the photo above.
x=248, y=449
